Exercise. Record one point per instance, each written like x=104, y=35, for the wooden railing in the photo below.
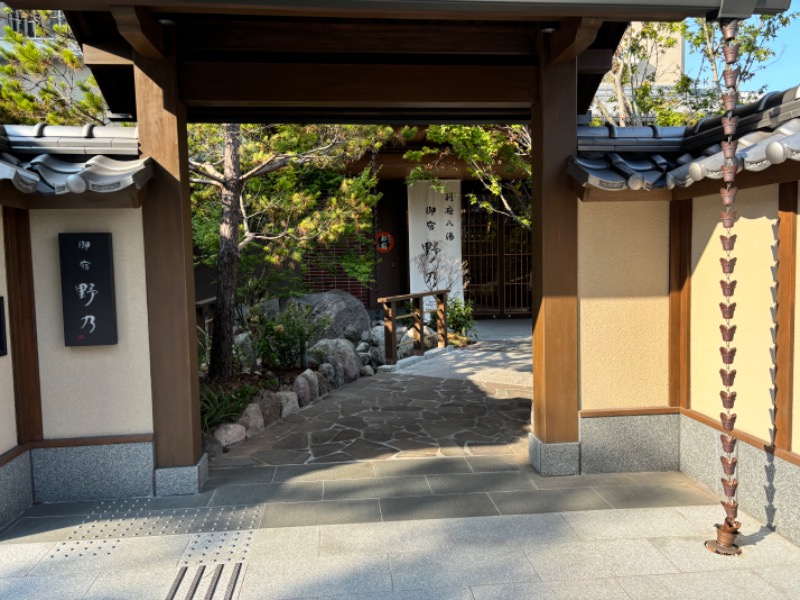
x=391, y=317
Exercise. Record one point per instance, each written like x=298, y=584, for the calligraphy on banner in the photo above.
x=87, y=289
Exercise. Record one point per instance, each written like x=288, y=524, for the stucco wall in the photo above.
x=8, y=418
x=623, y=284
x=102, y=390
x=755, y=251
x=796, y=365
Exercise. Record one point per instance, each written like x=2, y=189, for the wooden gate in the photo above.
x=497, y=251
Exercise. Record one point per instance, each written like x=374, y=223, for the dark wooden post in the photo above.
x=555, y=273
x=169, y=266
x=419, y=327
x=441, y=319
x=390, y=331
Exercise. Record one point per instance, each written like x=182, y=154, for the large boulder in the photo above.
x=306, y=387
x=246, y=350
x=346, y=315
x=270, y=406
x=289, y=403
x=252, y=420
x=343, y=357
x=407, y=342
x=326, y=379
x=229, y=434
x=211, y=446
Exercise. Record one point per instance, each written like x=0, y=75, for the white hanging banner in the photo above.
x=434, y=236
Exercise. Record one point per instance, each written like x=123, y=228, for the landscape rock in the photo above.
x=211, y=446
x=306, y=387
x=229, y=434
x=270, y=406
x=342, y=356
x=246, y=349
x=366, y=336
x=366, y=371
x=326, y=379
x=347, y=315
x=365, y=357
x=407, y=342
x=289, y=403
x=362, y=347
x=252, y=419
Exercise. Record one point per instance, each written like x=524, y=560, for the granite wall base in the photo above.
x=16, y=488
x=630, y=443
x=554, y=459
x=182, y=481
x=93, y=472
x=769, y=487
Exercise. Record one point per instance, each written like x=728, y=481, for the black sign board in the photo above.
x=87, y=289
x=3, y=337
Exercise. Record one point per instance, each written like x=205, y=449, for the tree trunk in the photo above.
x=221, y=363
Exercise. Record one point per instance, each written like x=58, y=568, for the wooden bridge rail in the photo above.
x=391, y=317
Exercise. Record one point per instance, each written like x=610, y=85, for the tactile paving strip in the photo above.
x=82, y=550
x=218, y=548
x=133, y=518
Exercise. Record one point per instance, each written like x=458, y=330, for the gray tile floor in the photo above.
x=461, y=526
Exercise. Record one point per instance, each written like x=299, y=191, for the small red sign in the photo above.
x=384, y=242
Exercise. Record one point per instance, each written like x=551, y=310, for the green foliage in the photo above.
x=219, y=405
x=498, y=156
x=203, y=348
x=281, y=342
x=460, y=316
x=638, y=69
x=42, y=79
x=296, y=199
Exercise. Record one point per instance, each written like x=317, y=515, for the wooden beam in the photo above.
x=784, y=322
x=783, y=173
x=680, y=278
x=107, y=56
x=12, y=197
x=220, y=84
x=141, y=30
x=303, y=37
x=572, y=39
x=127, y=198
x=22, y=325
x=630, y=412
x=595, y=61
x=555, y=258
x=593, y=194
x=169, y=267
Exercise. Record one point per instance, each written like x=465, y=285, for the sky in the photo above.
x=782, y=74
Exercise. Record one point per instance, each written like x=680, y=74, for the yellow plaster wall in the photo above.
x=102, y=390
x=796, y=365
x=754, y=296
x=623, y=285
x=8, y=415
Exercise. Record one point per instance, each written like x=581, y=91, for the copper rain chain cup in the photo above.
x=728, y=443
x=729, y=125
x=730, y=485
x=728, y=218
x=729, y=149
x=728, y=195
x=728, y=377
x=731, y=53
x=729, y=101
x=728, y=288
x=728, y=465
x=731, y=76
x=727, y=310
x=731, y=509
x=728, y=354
x=729, y=172
x=730, y=29
x=728, y=265
x=728, y=243
x=728, y=422
x=728, y=399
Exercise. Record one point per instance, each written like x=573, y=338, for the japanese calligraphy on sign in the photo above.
x=87, y=287
x=434, y=217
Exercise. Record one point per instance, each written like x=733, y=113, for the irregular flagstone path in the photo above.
x=474, y=401
x=395, y=415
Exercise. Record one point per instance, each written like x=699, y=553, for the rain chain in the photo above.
x=728, y=530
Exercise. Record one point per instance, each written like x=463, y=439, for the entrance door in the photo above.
x=497, y=251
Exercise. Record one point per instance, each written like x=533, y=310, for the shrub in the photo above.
x=219, y=405
x=459, y=316
x=281, y=341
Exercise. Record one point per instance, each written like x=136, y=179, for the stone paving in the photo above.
x=453, y=519
x=409, y=414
